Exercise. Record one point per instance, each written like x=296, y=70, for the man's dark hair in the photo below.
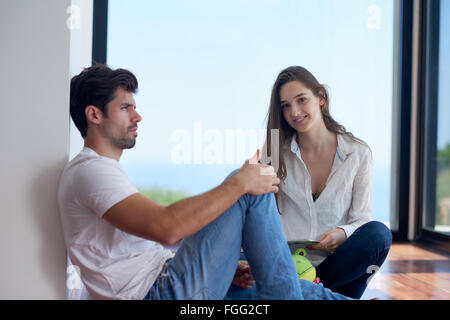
x=95, y=86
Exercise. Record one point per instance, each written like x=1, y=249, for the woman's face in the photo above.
x=300, y=107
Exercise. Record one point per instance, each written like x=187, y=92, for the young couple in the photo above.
x=322, y=189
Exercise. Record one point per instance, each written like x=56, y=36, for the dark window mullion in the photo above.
x=404, y=119
x=431, y=78
x=100, y=31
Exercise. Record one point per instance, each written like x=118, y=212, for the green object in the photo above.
x=305, y=270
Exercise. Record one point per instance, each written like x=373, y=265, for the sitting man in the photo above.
x=115, y=235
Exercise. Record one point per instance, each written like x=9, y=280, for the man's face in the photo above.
x=120, y=126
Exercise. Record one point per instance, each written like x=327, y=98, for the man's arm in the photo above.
x=143, y=217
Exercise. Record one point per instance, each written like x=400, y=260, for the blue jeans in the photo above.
x=204, y=264
x=346, y=270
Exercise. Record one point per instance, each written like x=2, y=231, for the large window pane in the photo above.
x=442, y=221
x=206, y=68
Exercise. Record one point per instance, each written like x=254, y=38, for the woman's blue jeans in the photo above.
x=347, y=270
x=204, y=264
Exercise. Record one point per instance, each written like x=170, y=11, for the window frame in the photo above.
x=401, y=127
x=100, y=31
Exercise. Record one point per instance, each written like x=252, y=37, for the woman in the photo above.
x=326, y=187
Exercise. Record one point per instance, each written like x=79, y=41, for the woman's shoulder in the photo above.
x=352, y=145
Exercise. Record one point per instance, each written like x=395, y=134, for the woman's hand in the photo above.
x=330, y=241
x=243, y=278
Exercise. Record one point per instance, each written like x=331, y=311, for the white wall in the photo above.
x=34, y=146
x=80, y=57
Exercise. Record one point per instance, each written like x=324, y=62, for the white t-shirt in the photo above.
x=346, y=201
x=113, y=263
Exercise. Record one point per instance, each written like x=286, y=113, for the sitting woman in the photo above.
x=326, y=184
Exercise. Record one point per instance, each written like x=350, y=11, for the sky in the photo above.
x=213, y=63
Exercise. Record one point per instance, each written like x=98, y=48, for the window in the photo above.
x=442, y=222
x=436, y=161
x=206, y=68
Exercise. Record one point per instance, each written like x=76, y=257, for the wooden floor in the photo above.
x=411, y=272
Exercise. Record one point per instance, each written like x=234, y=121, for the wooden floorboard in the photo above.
x=411, y=272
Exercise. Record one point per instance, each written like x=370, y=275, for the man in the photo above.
x=114, y=234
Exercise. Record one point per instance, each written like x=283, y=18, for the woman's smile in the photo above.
x=300, y=120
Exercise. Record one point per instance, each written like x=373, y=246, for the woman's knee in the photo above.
x=379, y=233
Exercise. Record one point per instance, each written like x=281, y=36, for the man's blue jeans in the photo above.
x=204, y=264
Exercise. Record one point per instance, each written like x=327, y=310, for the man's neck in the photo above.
x=103, y=149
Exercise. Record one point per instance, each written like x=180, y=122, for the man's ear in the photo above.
x=93, y=114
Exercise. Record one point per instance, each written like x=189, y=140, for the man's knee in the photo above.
x=252, y=199
x=231, y=174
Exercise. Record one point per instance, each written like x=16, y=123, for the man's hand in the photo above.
x=257, y=178
x=243, y=278
x=330, y=241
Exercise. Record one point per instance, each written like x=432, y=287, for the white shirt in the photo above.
x=345, y=202
x=113, y=264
